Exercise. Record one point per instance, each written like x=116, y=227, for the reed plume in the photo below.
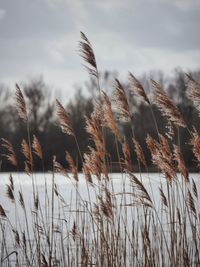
x=65, y=122
x=167, y=106
x=139, y=152
x=164, y=144
x=108, y=116
x=193, y=91
x=181, y=164
x=137, y=88
x=37, y=147
x=10, y=155
x=87, y=53
x=195, y=142
x=26, y=151
x=160, y=157
x=94, y=128
x=93, y=163
x=106, y=208
x=127, y=156
x=21, y=104
x=121, y=102
x=141, y=192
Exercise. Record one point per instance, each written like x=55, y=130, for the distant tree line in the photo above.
x=44, y=124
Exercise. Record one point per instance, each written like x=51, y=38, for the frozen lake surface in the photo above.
x=66, y=187
x=66, y=194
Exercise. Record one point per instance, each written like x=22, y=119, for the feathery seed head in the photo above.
x=193, y=91
x=87, y=53
x=167, y=106
x=108, y=116
x=137, y=88
x=21, y=104
x=65, y=122
x=121, y=102
x=37, y=147
x=11, y=156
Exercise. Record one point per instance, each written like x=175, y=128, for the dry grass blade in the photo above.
x=193, y=91
x=137, y=88
x=11, y=156
x=21, y=104
x=121, y=102
x=167, y=106
x=108, y=116
x=37, y=147
x=87, y=54
x=64, y=119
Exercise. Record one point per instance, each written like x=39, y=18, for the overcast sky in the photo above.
x=41, y=37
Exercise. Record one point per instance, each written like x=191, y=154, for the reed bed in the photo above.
x=130, y=225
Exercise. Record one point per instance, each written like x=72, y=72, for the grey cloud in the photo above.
x=150, y=24
x=42, y=35
x=33, y=19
